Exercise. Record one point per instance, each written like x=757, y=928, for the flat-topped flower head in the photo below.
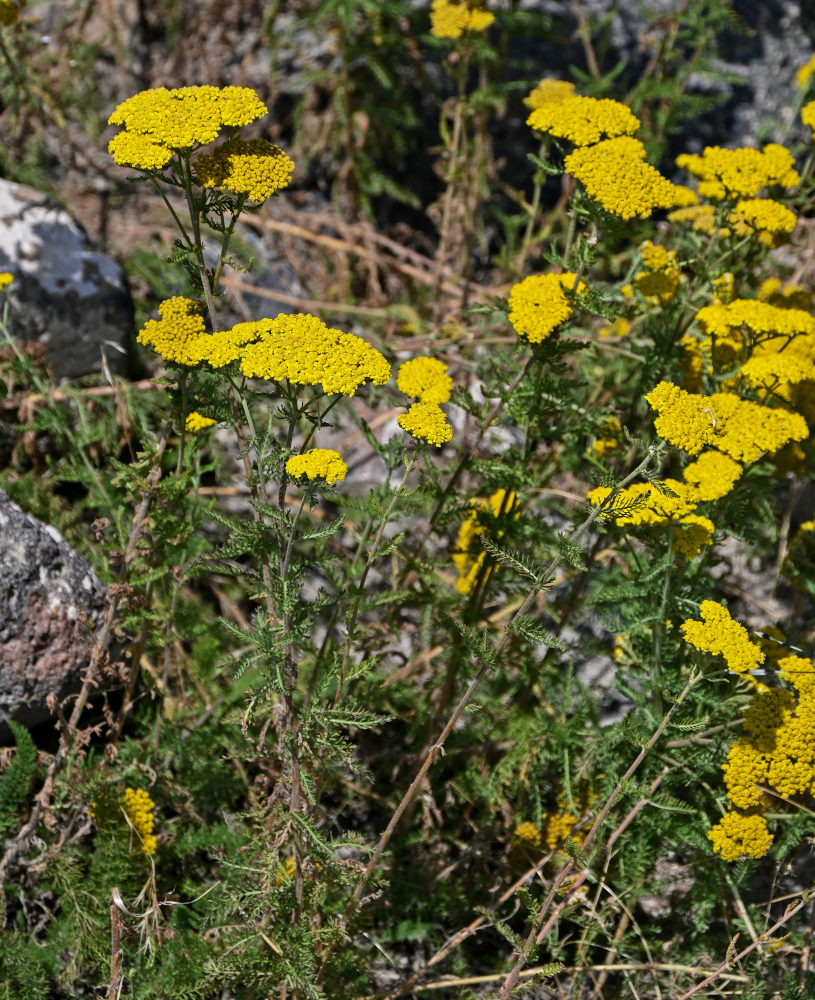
x=739, y=836
x=304, y=351
x=773, y=368
x=426, y=422
x=712, y=476
x=319, y=463
x=583, y=120
x=804, y=73
x=5, y=280
x=181, y=323
x=614, y=174
x=785, y=296
x=179, y=119
x=808, y=116
x=547, y=91
x=256, y=168
x=702, y=218
x=538, y=304
x=425, y=379
x=10, y=11
x=762, y=215
x=196, y=422
x=452, y=18
x=662, y=281
x=683, y=419
x=741, y=173
x=729, y=319
x=719, y=634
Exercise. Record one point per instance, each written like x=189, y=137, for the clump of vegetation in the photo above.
x=434, y=670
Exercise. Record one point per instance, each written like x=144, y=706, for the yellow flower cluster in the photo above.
x=655, y=509
x=583, y=120
x=319, y=463
x=611, y=432
x=538, y=304
x=451, y=18
x=10, y=11
x=762, y=215
x=548, y=90
x=719, y=634
x=302, y=349
x=222, y=347
x=256, y=168
x=804, y=73
x=160, y=121
x=770, y=368
x=425, y=379
x=702, y=218
x=466, y=558
x=778, y=752
x=661, y=282
x=426, y=422
x=5, y=280
x=737, y=836
x=728, y=320
x=739, y=428
x=727, y=173
x=615, y=174
x=529, y=834
x=181, y=323
x=140, y=811
x=785, y=296
x=808, y=116
x=712, y=476
x=138, y=808
x=196, y=422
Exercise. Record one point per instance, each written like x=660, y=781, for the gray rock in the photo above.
x=51, y=603
x=65, y=294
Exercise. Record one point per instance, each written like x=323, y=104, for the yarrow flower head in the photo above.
x=5, y=280
x=451, y=18
x=762, y=215
x=181, y=322
x=425, y=379
x=302, y=349
x=468, y=557
x=583, y=120
x=319, y=463
x=741, y=836
x=547, y=91
x=719, y=634
x=426, y=422
x=10, y=11
x=256, y=168
x=742, y=173
x=804, y=73
x=661, y=282
x=614, y=174
x=159, y=122
x=196, y=422
x=135, y=807
x=808, y=116
x=538, y=304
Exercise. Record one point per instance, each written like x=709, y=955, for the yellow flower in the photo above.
x=719, y=634
x=425, y=379
x=614, y=174
x=549, y=90
x=529, y=834
x=5, y=280
x=702, y=218
x=737, y=836
x=804, y=73
x=763, y=214
x=10, y=11
x=727, y=320
x=583, y=120
x=790, y=296
x=538, y=304
x=661, y=282
x=256, y=168
x=302, y=349
x=744, y=770
x=467, y=558
x=160, y=121
x=712, y=476
x=319, y=463
x=181, y=322
x=727, y=173
x=619, y=328
x=451, y=18
x=197, y=422
x=426, y=422
x=808, y=116
x=139, y=808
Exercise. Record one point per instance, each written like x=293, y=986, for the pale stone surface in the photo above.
x=51, y=603
x=65, y=293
